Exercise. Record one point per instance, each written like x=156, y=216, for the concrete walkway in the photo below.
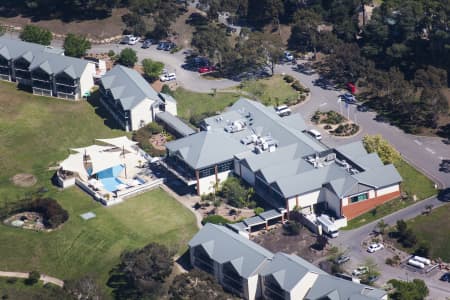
x=44, y=278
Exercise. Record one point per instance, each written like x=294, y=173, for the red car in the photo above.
x=205, y=69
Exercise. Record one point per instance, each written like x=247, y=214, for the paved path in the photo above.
x=44, y=278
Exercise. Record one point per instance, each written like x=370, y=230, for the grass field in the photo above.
x=434, y=229
x=414, y=183
x=36, y=133
x=271, y=91
x=17, y=289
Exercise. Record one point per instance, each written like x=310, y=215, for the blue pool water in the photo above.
x=109, y=178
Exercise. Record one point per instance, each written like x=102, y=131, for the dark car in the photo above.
x=349, y=98
x=161, y=46
x=444, y=195
x=362, y=108
x=169, y=46
x=381, y=118
x=147, y=43
x=445, y=277
x=342, y=259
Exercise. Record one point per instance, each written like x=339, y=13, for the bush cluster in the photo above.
x=143, y=135
x=215, y=219
x=288, y=78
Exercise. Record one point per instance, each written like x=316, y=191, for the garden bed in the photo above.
x=335, y=123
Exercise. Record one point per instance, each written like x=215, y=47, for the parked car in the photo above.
x=169, y=46
x=147, y=43
x=206, y=69
x=445, y=277
x=288, y=56
x=161, y=45
x=349, y=98
x=370, y=279
x=283, y=110
x=360, y=271
x=168, y=77
x=133, y=40
x=126, y=38
x=375, y=247
x=342, y=259
x=362, y=108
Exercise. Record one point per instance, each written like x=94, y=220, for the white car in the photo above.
x=133, y=40
x=360, y=271
x=288, y=56
x=168, y=77
x=375, y=247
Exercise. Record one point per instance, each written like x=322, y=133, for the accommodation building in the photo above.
x=286, y=166
x=250, y=271
x=45, y=70
x=131, y=101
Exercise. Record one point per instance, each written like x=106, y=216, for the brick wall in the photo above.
x=352, y=210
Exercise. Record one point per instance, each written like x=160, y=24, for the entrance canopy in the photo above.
x=121, y=142
x=104, y=160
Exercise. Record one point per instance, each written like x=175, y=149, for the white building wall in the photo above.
x=305, y=200
x=87, y=79
x=141, y=112
x=303, y=286
x=206, y=184
x=171, y=107
x=388, y=190
x=253, y=288
x=346, y=200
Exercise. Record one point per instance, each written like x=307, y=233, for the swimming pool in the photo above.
x=109, y=178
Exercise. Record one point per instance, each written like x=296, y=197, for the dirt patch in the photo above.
x=24, y=180
x=275, y=241
x=158, y=141
x=183, y=32
x=95, y=29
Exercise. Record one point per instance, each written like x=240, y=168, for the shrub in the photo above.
x=327, y=127
x=389, y=261
x=155, y=128
x=128, y=57
x=236, y=193
x=33, y=278
x=215, y=219
x=111, y=53
x=423, y=250
x=292, y=228
x=53, y=214
x=197, y=205
x=258, y=210
x=288, y=78
x=36, y=34
x=296, y=85
x=166, y=90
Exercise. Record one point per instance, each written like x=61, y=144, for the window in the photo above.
x=225, y=166
x=360, y=197
x=206, y=172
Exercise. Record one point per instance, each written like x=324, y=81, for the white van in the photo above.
x=283, y=110
x=315, y=134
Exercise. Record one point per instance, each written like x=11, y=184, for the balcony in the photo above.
x=67, y=83
x=204, y=265
x=23, y=74
x=180, y=169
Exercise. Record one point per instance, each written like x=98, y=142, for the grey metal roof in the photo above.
x=206, y=148
x=295, y=121
x=347, y=186
x=308, y=181
x=270, y=214
x=379, y=177
x=223, y=245
x=128, y=86
x=341, y=289
x=289, y=270
x=175, y=123
x=54, y=64
x=284, y=169
x=240, y=226
x=13, y=49
x=354, y=149
x=369, y=161
x=253, y=221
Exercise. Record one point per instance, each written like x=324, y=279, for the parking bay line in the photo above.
x=418, y=142
x=323, y=104
x=430, y=150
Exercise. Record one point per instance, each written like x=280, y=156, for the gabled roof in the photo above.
x=379, y=177
x=284, y=169
x=56, y=64
x=347, y=186
x=289, y=270
x=223, y=246
x=14, y=49
x=206, y=148
x=128, y=86
x=354, y=149
x=175, y=123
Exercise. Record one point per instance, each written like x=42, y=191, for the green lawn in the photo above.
x=17, y=289
x=435, y=230
x=414, y=183
x=190, y=103
x=271, y=91
x=36, y=133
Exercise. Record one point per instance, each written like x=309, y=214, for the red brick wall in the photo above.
x=352, y=210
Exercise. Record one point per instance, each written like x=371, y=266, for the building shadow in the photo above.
x=108, y=120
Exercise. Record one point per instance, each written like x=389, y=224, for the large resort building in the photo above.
x=286, y=166
x=45, y=70
x=252, y=272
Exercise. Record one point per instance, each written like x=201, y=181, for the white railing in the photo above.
x=132, y=191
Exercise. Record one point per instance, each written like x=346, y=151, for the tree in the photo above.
x=76, y=45
x=423, y=250
x=35, y=34
x=401, y=227
x=386, y=152
x=413, y=290
x=33, y=278
x=235, y=192
x=128, y=57
x=258, y=210
x=196, y=284
x=304, y=33
x=382, y=226
x=262, y=50
x=152, y=69
x=142, y=272
x=84, y=288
